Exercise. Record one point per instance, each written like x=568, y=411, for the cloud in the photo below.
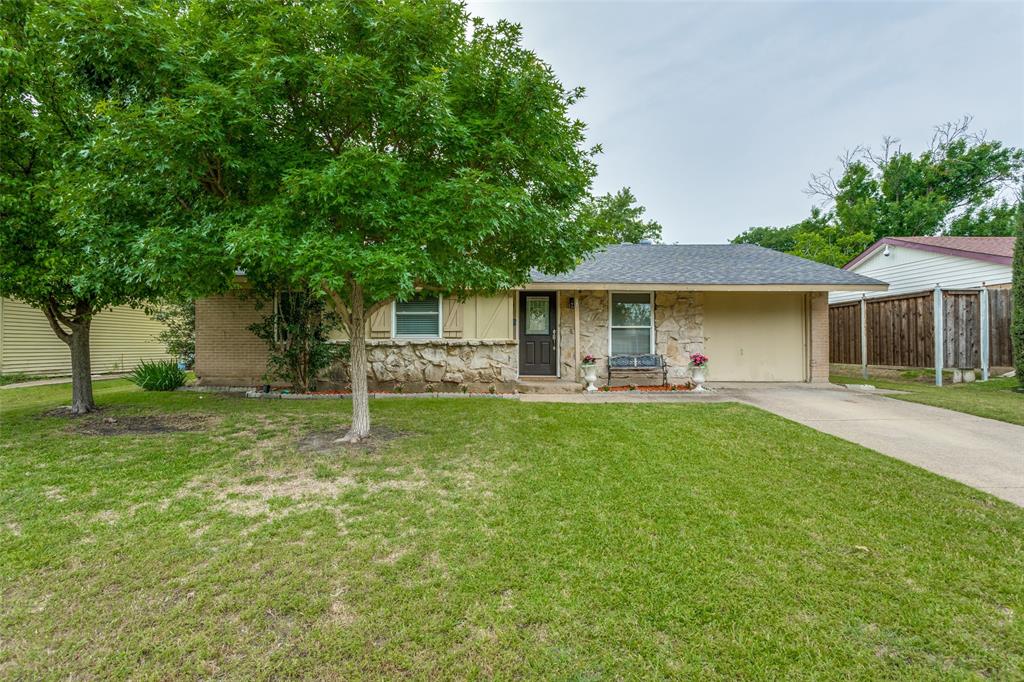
x=716, y=114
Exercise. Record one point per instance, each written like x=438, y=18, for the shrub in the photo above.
x=297, y=334
x=179, y=335
x=157, y=376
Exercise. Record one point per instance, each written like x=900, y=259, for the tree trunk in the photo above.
x=360, y=428
x=81, y=369
x=78, y=341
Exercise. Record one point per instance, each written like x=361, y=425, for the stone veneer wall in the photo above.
x=593, y=333
x=567, y=336
x=443, y=364
x=678, y=330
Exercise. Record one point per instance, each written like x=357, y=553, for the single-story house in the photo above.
x=120, y=338
x=913, y=264
x=760, y=315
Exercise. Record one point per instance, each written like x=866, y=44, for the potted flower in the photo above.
x=698, y=370
x=589, y=368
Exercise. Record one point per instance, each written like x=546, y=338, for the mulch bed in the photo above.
x=110, y=424
x=675, y=388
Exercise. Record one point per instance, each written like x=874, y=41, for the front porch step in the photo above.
x=546, y=385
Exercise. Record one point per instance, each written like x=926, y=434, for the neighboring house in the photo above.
x=900, y=327
x=912, y=264
x=759, y=314
x=120, y=338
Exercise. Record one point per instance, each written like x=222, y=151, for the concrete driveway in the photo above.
x=983, y=453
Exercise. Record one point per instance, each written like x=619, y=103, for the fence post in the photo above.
x=937, y=333
x=985, y=340
x=863, y=336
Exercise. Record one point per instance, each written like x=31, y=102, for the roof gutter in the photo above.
x=632, y=286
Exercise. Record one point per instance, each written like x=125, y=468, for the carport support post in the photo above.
x=983, y=306
x=938, y=336
x=864, y=335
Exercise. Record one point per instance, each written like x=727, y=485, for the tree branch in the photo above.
x=214, y=177
x=339, y=302
x=54, y=317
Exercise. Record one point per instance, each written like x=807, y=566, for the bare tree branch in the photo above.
x=824, y=186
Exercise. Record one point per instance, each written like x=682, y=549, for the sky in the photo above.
x=716, y=114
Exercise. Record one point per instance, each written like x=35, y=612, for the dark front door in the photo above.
x=537, y=351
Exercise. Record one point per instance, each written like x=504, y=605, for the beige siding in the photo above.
x=756, y=336
x=121, y=338
x=486, y=318
x=489, y=317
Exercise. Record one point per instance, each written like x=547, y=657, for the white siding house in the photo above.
x=912, y=264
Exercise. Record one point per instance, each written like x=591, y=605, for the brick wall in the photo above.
x=819, y=337
x=227, y=353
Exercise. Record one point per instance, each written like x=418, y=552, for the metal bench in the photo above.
x=622, y=366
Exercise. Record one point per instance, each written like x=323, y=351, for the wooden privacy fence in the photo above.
x=900, y=331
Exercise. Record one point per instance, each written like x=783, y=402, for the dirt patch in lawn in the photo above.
x=255, y=497
x=327, y=441
x=133, y=425
x=271, y=494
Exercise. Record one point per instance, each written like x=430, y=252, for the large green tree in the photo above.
x=963, y=185
x=61, y=63
x=366, y=149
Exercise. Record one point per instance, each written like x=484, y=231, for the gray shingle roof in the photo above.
x=696, y=264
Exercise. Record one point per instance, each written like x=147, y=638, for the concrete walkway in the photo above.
x=982, y=453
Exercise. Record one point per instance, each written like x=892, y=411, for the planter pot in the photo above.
x=699, y=376
x=590, y=376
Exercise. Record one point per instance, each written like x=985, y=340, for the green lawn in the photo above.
x=995, y=399
x=486, y=538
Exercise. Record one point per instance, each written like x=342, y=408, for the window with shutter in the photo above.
x=418, y=318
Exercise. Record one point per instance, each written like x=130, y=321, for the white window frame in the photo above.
x=651, y=326
x=440, y=321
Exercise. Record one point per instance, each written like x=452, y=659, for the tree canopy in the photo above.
x=361, y=149
x=61, y=249
x=963, y=185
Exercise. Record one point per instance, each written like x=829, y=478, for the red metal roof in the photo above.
x=991, y=249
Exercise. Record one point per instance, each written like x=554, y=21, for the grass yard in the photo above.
x=995, y=399
x=209, y=536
